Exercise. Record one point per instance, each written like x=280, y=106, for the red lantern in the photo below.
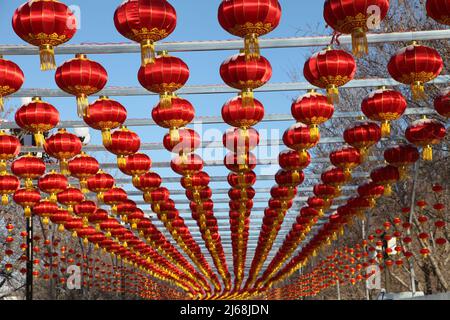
x=401, y=156
x=439, y=10
x=250, y=19
x=45, y=209
x=371, y=190
x=81, y=77
x=27, y=199
x=289, y=178
x=84, y=210
x=53, y=183
x=246, y=75
x=70, y=197
x=326, y=192
x=384, y=105
x=136, y=165
x=135, y=217
x=113, y=197
x=82, y=167
x=187, y=165
x=147, y=182
x=198, y=180
x=145, y=22
x=242, y=180
x=236, y=114
x=242, y=162
x=334, y=177
x=240, y=140
x=362, y=135
x=123, y=143
x=355, y=18
x=293, y=160
x=425, y=133
x=187, y=141
x=8, y=185
x=29, y=168
x=9, y=149
x=100, y=183
x=385, y=176
x=63, y=146
x=330, y=69
x=442, y=104
x=105, y=114
x=312, y=109
x=164, y=76
x=37, y=117
x=45, y=24
x=125, y=208
x=346, y=158
x=179, y=114
x=11, y=79
x=415, y=65
x=300, y=138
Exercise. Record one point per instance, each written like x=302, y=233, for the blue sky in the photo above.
x=197, y=20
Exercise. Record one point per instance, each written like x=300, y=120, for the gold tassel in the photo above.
x=248, y=98
x=385, y=129
x=165, y=100
x=53, y=198
x=360, y=45
x=121, y=161
x=82, y=105
x=74, y=234
x=2, y=167
x=174, y=135
x=388, y=190
x=28, y=183
x=333, y=94
x=85, y=241
x=61, y=228
x=106, y=137
x=314, y=131
x=134, y=226
x=418, y=91
x=114, y=209
x=427, y=153
x=147, y=52
x=251, y=46
x=45, y=220
x=5, y=199
x=39, y=139
x=303, y=154
x=83, y=186
x=1, y=104
x=100, y=197
x=47, y=55
x=136, y=181
x=64, y=167
x=97, y=227
x=70, y=209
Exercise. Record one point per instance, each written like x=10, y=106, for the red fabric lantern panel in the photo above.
x=100, y=183
x=105, y=114
x=63, y=146
x=11, y=79
x=45, y=24
x=355, y=18
x=187, y=141
x=346, y=158
x=8, y=185
x=415, y=65
x=334, y=177
x=439, y=10
x=147, y=182
x=136, y=165
x=249, y=19
x=53, y=183
x=27, y=198
x=362, y=135
x=81, y=77
x=145, y=22
x=29, y=168
x=330, y=69
x=123, y=143
x=9, y=149
x=289, y=178
x=237, y=114
x=442, y=104
x=425, y=133
x=401, y=156
x=384, y=105
x=385, y=176
x=70, y=197
x=82, y=167
x=37, y=117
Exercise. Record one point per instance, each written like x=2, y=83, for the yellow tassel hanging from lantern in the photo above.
x=53, y=198
x=27, y=212
x=47, y=56
x=314, y=131
x=39, y=139
x=248, y=98
x=100, y=197
x=251, y=49
x=174, y=135
x=64, y=167
x=82, y=105
x=70, y=209
x=61, y=228
x=4, y=199
x=333, y=94
x=28, y=183
x=97, y=227
x=121, y=161
x=74, y=234
x=427, y=153
x=348, y=174
x=1, y=103
x=83, y=186
x=385, y=129
x=106, y=137
x=418, y=91
x=165, y=100
x=360, y=46
x=85, y=222
x=45, y=220
x=2, y=167
x=147, y=52
x=387, y=190
x=85, y=241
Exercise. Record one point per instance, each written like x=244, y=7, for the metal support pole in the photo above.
x=29, y=275
x=338, y=289
x=363, y=231
x=411, y=216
